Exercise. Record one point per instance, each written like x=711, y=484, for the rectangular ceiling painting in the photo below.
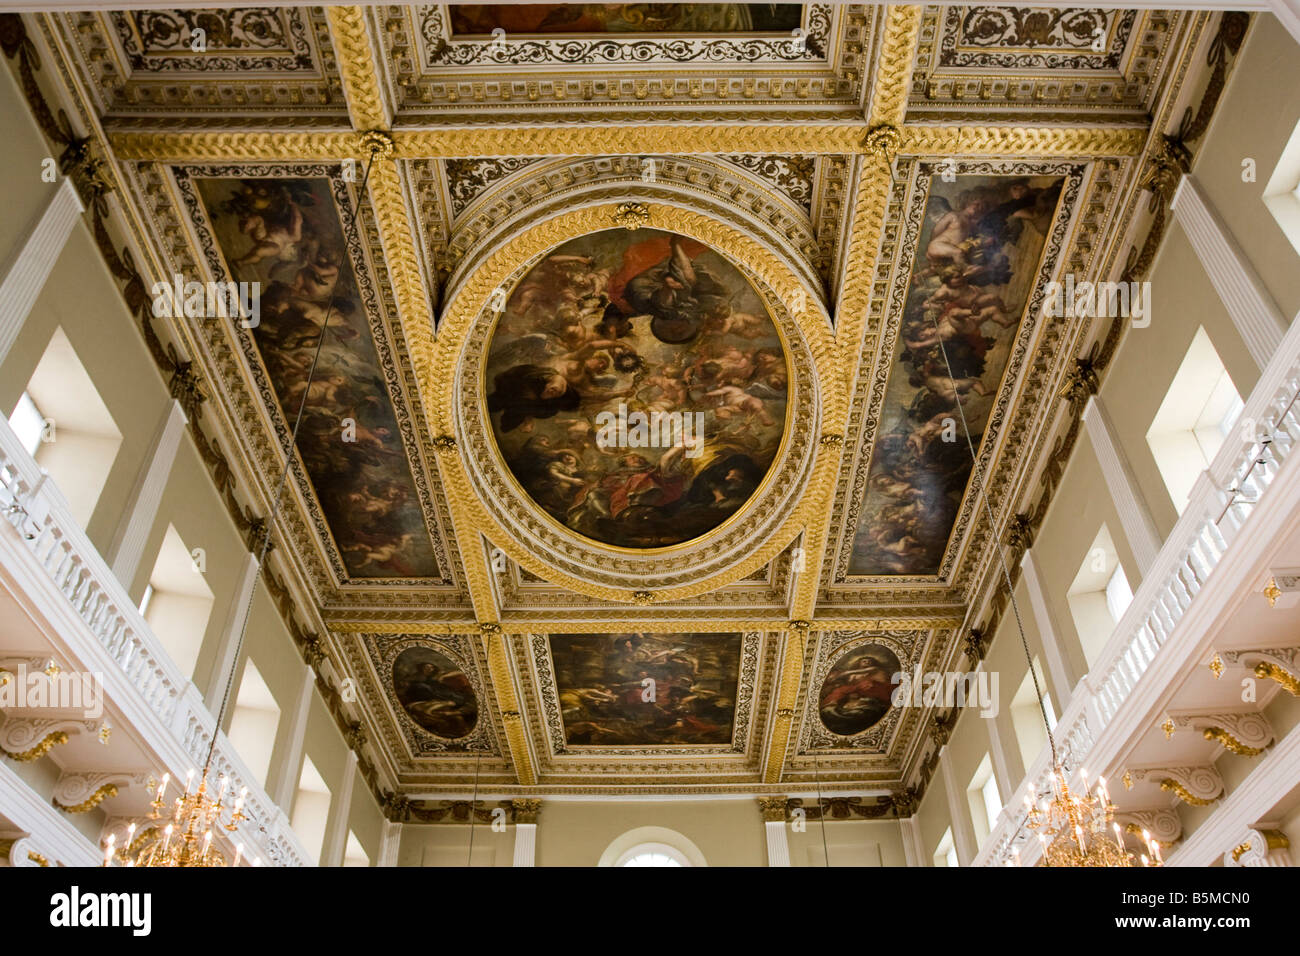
x=535, y=18
x=647, y=689
x=975, y=268
x=287, y=236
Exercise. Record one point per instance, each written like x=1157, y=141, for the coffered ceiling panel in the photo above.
x=824, y=229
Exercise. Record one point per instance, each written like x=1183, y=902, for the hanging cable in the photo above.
x=473, y=806
x=1002, y=558
x=817, y=777
x=279, y=492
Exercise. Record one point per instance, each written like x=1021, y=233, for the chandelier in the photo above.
x=186, y=840
x=1079, y=828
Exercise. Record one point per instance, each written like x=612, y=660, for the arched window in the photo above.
x=652, y=846
x=653, y=854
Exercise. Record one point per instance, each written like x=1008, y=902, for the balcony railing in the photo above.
x=1221, y=503
x=140, y=677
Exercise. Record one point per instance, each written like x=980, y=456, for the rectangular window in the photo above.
x=311, y=810
x=254, y=721
x=1098, y=596
x=983, y=800
x=945, y=853
x=66, y=426
x=1197, y=415
x=177, y=602
x=28, y=423
x=1027, y=717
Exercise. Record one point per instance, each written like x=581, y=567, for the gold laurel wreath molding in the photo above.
x=1270, y=671
x=1170, y=785
x=357, y=67
x=464, y=309
x=1231, y=743
x=894, y=69
x=451, y=142
x=40, y=750
x=503, y=684
x=94, y=800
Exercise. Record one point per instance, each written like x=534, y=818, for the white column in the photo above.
x=224, y=659
x=963, y=831
x=389, y=843
x=778, y=843
x=911, y=832
x=998, y=754
x=337, y=826
x=283, y=778
x=1134, y=515
x=1288, y=14
x=136, y=523
x=1253, y=311
x=1058, y=667
x=27, y=271
x=525, y=844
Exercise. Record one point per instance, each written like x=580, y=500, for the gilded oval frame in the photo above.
x=488, y=499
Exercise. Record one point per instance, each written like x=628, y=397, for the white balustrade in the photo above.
x=1221, y=504
x=38, y=511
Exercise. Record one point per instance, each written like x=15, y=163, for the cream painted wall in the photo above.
x=82, y=298
x=848, y=843
x=26, y=196
x=449, y=845
x=727, y=832
x=1258, y=112
x=932, y=816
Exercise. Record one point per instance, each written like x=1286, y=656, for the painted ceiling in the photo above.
x=820, y=232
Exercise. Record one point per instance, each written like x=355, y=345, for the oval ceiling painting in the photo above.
x=434, y=692
x=637, y=387
x=857, y=688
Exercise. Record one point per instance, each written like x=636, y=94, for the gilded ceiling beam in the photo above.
x=357, y=67
x=503, y=685
x=635, y=139
x=786, y=700
x=369, y=116
x=894, y=70
x=880, y=142
x=403, y=263
x=236, y=146
x=516, y=625
x=1023, y=142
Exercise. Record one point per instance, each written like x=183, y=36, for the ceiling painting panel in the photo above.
x=531, y=18
x=978, y=262
x=638, y=387
x=285, y=238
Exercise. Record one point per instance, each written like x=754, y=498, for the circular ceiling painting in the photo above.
x=637, y=387
x=434, y=692
x=855, y=693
